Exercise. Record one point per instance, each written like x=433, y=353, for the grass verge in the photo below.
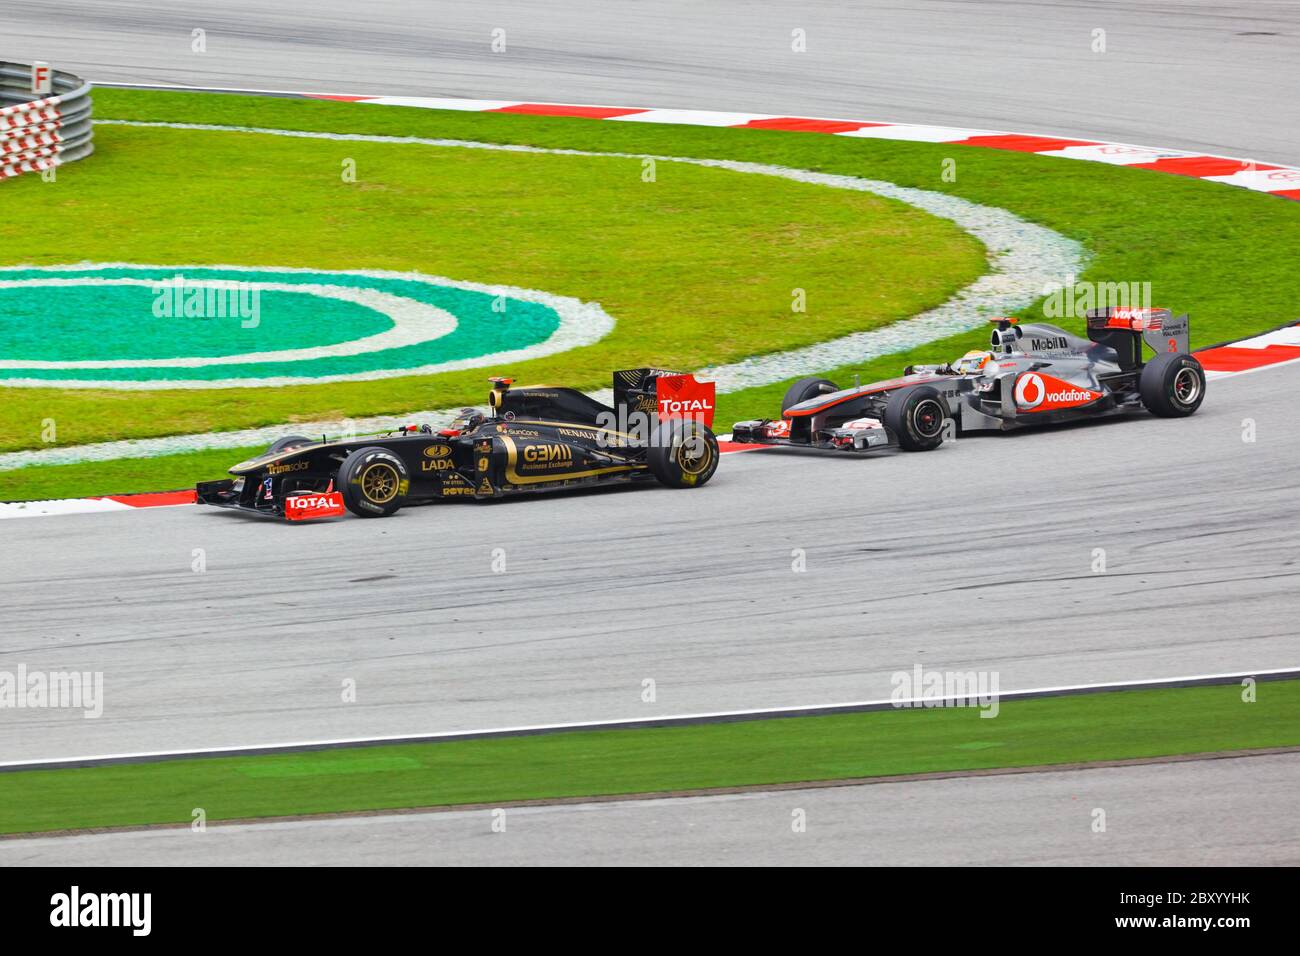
x=1104, y=726
x=695, y=267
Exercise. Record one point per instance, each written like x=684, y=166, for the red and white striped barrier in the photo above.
x=40, y=134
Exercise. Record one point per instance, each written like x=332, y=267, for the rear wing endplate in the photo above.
x=665, y=394
x=1158, y=328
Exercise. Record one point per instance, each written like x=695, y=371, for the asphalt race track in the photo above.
x=1196, y=74
x=977, y=556
x=1233, y=812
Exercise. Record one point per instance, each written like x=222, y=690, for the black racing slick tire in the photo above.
x=374, y=482
x=805, y=389
x=287, y=442
x=1172, y=386
x=683, y=453
x=915, y=416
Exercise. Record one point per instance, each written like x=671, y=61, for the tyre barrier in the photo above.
x=39, y=134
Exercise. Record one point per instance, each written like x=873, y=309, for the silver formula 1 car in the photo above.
x=1033, y=374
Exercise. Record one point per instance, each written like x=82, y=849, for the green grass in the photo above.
x=1104, y=726
x=121, y=476
x=1224, y=255
x=695, y=267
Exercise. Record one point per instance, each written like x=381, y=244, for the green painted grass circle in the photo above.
x=137, y=326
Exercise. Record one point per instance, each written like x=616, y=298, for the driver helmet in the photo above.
x=468, y=420
x=973, y=363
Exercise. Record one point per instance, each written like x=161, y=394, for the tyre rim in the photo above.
x=379, y=482
x=927, y=418
x=1187, y=386
x=694, y=463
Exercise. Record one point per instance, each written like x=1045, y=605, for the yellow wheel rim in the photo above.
x=694, y=464
x=379, y=481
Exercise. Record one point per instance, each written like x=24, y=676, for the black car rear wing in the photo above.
x=1124, y=329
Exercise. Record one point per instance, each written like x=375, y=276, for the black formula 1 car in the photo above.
x=532, y=439
x=1035, y=374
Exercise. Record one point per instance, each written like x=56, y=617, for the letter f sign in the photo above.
x=41, y=78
